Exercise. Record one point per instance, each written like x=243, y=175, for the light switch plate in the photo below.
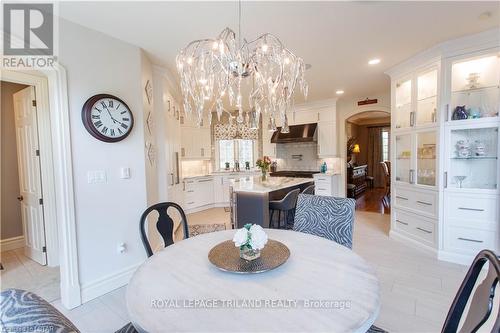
x=125, y=173
x=96, y=177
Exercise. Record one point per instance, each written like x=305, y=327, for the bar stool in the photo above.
x=309, y=190
x=285, y=206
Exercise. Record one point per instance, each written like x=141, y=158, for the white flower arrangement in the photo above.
x=251, y=236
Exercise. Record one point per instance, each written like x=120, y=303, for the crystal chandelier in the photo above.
x=213, y=71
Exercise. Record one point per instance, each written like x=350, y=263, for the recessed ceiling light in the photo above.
x=374, y=61
x=339, y=92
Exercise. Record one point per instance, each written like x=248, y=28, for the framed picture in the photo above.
x=149, y=92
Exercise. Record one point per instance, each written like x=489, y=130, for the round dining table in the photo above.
x=322, y=287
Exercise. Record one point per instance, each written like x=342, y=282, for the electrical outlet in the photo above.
x=121, y=248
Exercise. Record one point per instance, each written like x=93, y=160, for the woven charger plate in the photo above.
x=225, y=256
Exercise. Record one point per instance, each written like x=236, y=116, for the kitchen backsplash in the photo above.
x=195, y=168
x=303, y=156
x=298, y=156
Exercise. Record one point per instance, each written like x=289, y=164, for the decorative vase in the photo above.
x=249, y=254
x=264, y=174
x=460, y=113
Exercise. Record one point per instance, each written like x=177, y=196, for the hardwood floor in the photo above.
x=371, y=201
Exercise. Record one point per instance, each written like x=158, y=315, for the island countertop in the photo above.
x=256, y=185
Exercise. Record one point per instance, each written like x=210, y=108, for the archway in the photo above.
x=343, y=139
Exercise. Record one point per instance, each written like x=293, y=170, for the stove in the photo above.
x=294, y=174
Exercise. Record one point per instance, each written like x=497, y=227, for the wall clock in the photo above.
x=107, y=118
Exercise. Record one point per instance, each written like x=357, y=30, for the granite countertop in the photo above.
x=256, y=185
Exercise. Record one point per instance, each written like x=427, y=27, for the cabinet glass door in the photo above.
x=403, y=158
x=427, y=98
x=474, y=158
x=426, y=158
x=403, y=104
x=475, y=88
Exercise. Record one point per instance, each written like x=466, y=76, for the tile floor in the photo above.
x=23, y=273
x=416, y=289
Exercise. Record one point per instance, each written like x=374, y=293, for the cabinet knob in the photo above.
x=20, y=198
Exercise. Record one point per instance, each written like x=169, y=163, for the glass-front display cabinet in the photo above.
x=403, y=98
x=475, y=88
x=426, y=158
x=427, y=90
x=403, y=158
x=473, y=158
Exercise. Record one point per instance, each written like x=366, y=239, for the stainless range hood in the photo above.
x=298, y=133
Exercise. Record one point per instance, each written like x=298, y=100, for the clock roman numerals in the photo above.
x=107, y=118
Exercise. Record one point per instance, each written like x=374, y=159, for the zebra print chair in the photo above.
x=327, y=217
x=24, y=311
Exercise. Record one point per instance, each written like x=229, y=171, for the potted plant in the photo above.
x=263, y=164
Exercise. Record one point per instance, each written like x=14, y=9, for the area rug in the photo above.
x=198, y=229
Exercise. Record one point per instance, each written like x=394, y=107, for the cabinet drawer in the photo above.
x=472, y=207
x=403, y=198
x=190, y=203
x=425, y=202
x=417, y=227
x=322, y=191
x=323, y=186
x=470, y=240
x=325, y=179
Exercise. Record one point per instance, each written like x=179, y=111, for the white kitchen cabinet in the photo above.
x=327, y=139
x=198, y=192
x=196, y=143
x=326, y=184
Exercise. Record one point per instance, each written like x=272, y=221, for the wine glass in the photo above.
x=460, y=179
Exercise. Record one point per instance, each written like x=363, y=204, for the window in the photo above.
x=385, y=144
x=236, y=150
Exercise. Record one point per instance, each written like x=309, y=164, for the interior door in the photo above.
x=30, y=185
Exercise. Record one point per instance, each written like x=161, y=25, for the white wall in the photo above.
x=106, y=214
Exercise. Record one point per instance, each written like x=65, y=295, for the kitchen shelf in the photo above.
x=475, y=90
x=475, y=158
x=427, y=98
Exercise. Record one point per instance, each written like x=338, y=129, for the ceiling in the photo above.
x=336, y=38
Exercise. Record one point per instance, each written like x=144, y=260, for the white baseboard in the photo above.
x=209, y=206
x=458, y=258
x=413, y=243
x=107, y=284
x=12, y=243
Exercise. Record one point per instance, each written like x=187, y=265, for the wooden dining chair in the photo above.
x=328, y=217
x=481, y=304
x=387, y=181
x=164, y=224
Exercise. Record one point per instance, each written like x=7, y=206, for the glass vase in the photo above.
x=264, y=175
x=249, y=254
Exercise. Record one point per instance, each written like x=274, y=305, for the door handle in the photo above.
x=172, y=179
x=20, y=198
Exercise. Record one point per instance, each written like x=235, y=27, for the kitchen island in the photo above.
x=251, y=195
